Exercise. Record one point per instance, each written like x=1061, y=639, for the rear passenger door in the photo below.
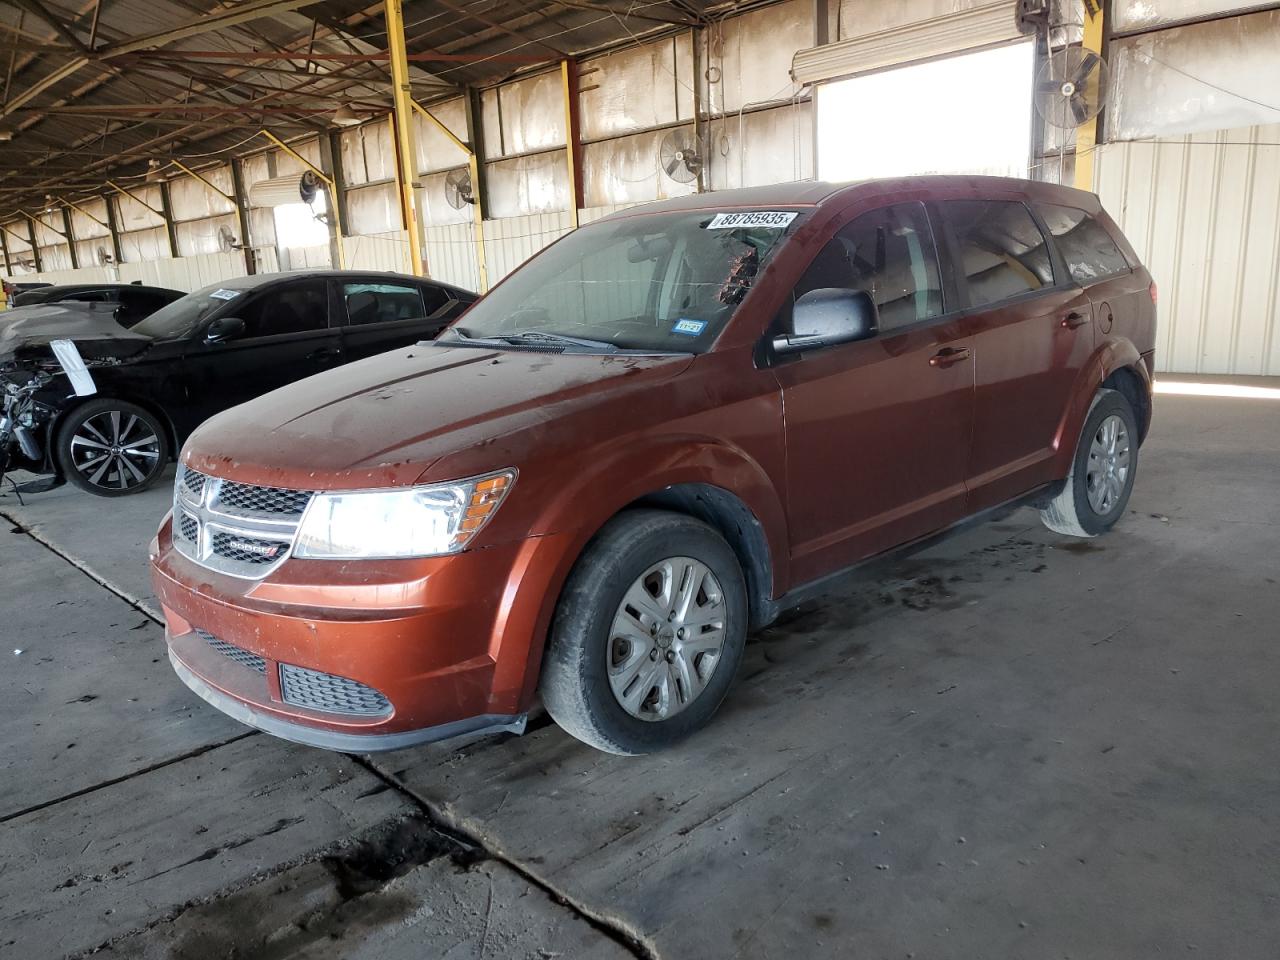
x=378, y=314
x=1032, y=333
x=287, y=336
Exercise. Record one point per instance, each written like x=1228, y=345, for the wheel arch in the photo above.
x=1115, y=364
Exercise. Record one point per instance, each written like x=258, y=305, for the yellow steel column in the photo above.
x=402, y=98
x=1087, y=132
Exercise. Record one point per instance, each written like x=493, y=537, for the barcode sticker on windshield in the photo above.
x=224, y=294
x=769, y=219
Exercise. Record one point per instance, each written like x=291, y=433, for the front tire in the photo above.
x=648, y=634
x=1102, y=471
x=112, y=448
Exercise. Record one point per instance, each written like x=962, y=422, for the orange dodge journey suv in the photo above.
x=658, y=433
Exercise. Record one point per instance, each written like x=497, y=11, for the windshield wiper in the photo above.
x=538, y=338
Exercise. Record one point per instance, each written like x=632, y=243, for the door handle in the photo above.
x=1074, y=319
x=949, y=355
x=324, y=353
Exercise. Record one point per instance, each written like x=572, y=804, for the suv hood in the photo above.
x=26, y=332
x=383, y=421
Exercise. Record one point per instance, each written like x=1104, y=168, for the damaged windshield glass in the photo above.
x=664, y=282
x=180, y=318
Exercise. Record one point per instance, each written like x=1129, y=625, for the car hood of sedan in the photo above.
x=26, y=332
x=383, y=421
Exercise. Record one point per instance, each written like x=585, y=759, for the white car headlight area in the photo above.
x=423, y=521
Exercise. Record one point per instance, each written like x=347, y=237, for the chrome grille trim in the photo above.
x=328, y=693
x=235, y=528
x=232, y=652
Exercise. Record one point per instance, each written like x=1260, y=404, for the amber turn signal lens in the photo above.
x=488, y=493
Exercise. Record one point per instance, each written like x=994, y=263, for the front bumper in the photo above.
x=449, y=642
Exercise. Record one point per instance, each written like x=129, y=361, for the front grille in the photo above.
x=330, y=694
x=251, y=499
x=232, y=652
x=188, y=528
x=236, y=528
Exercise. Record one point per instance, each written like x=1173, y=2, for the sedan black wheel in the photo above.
x=112, y=448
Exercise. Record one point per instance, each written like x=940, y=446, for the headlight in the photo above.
x=413, y=522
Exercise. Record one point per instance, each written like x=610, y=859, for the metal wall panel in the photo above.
x=382, y=251
x=190, y=199
x=86, y=227
x=451, y=256
x=637, y=88
x=532, y=115
x=141, y=245
x=627, y=170
x=1129, y=15
x=199, y=237
x=55, y=257
x=93, y=254
x=433, y=203
x=1203, y=212
x=373, y=210
x=510, y=242
x=132, y=215
x=533, y=184
x=287, y=163
x=769, y=146
x=185, y=273
x=747, y=59
x=435, y=150
x=1206, y=76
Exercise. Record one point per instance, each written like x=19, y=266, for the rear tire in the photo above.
x=112, y=448
x=648, y=634
x=1102, y=471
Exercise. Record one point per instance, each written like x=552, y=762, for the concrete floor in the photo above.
x=1014, y=745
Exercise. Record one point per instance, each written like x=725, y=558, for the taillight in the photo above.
x=1154, y=292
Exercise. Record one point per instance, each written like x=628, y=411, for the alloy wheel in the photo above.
x=667, y=638
x=1108, y=469
x=115, y=450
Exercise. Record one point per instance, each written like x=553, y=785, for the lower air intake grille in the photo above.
x=187, y=527
x=325, y=692
x=232, y=652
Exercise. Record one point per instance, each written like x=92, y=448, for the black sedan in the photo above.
x=133, y=302
x=143, y=390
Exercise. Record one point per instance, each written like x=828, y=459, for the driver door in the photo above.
x=877, y=431
x=287, y=336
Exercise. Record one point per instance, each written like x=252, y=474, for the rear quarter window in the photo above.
x=1084, y=243
x=1002, y=252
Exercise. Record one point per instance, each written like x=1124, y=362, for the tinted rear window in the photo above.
x=1002, y=251
x=1084, y=243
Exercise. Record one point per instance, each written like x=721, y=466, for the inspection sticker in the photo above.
x=769, y=219
x=221, y=294
x=690, y=328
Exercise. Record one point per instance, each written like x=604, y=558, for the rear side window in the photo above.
x=888, y=253
x=1002, y=251
x=383, y=302
x=1084, y=243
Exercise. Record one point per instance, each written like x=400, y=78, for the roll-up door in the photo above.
x=937, y=36
x=275, y=192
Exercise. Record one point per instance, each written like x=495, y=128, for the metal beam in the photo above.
x=60, y=28
x=117, y=250
x=134, y=197
x=208, y=23
x=572, y=137
x=500, y=27
x=80, y=209
x=242, y=216
x=35, y=247
x=236, y=57
x=475, y=136
x=167, y=206
x=71, y=238
x=8, y=267
x=406, y=154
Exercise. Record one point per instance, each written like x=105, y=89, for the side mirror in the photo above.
x=223, y=329
x=829, y=316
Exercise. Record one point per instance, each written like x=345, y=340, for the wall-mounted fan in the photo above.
x=680, y=155
x=308, y=186
x=227, y=240
x=1071, y=87
x=105, y=257
x=458, y=189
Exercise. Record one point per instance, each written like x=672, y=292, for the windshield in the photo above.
x=180, y=318
x=659, y=282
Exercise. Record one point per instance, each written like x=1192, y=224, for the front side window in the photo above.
x=293, y=307
x=666, y=282
x=888, y=253
x=382, y=302
x=1002, y=251
x=89, y=296
x=1084, y=243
